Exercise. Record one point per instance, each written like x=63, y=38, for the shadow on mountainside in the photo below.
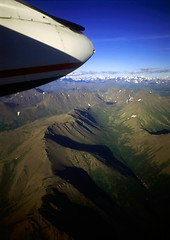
x=76, y=220
x=80, y=221
x=100, y=152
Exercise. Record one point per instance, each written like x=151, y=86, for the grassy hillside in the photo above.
x=101, y=170
x=28, y=106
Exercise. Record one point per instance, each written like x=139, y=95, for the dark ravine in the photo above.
x=84, y=116
x=163, y=131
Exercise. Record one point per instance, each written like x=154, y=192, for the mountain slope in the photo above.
x=93, y=173
x=51, y=183
x=28, y=106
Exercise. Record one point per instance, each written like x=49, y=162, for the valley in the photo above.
x=84, y=164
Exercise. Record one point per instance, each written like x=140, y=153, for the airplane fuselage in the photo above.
x=36, y=48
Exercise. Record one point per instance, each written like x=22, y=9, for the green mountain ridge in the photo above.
x=31, y=105
x=94, y=172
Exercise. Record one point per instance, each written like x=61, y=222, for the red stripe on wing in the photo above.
x=40, y=69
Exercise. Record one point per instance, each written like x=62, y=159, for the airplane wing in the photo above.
x=36, y=47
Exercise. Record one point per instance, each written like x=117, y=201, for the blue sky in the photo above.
x=128, y=35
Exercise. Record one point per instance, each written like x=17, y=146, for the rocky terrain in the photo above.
x=84, y=165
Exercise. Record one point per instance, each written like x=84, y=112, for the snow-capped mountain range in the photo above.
x=102, y=77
